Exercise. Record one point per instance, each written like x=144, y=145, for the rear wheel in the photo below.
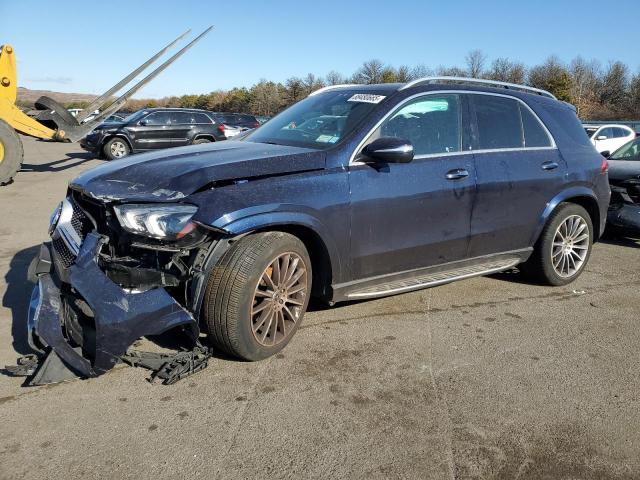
x=564, y=247
x=257, y=295
x=116, y=148
x=11, y=153
x=198, y=141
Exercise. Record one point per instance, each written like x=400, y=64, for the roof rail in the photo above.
x=479, y=81
x=333, y=87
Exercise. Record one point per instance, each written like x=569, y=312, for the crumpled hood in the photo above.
x=175, y=173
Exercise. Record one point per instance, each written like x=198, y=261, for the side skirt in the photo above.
x=407, y=281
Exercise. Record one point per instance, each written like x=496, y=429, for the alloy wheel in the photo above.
x=570, y=246
x=279, y=299
x=118, y=149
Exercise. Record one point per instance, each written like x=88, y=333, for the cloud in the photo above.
x=59, y=80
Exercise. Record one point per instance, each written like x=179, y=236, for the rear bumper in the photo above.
x=118, y=319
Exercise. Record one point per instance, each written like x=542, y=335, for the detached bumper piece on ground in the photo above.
x=67, y=349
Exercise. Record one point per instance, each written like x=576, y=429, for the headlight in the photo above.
x=167, y=222
x=53, y=220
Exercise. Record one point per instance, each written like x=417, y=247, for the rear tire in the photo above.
x=564, y=247
x=198, y=141
x=11, y=153
x=253, y=302
x=116, y=148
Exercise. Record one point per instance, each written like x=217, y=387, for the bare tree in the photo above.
x=420, y=71
x=334, y=78
x=475, y=61
x=451, y=71
x=505, y=70
x=585, y=84
x=403, y=74
x=370, y=72
x=311, y=83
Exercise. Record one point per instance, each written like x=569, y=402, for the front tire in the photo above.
x=257, y=295
x=563, y=250
x=116, y=148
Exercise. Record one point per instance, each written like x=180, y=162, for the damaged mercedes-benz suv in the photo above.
x=355, y=192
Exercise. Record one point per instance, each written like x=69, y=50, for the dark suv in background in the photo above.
x=152, y=129
x=356, y=192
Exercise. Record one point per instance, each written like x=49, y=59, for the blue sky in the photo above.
x=86, y=46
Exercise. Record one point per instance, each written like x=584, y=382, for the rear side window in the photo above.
x=498, y=120
x=158, y=118
x=620, y=132
x=534, y=133
x=431, y=123
x=201, y=118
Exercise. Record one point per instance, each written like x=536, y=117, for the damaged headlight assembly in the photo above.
x=163, y=222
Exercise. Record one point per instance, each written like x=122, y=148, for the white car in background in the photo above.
x=609, y=138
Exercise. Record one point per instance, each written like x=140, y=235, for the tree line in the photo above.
x=599, y=92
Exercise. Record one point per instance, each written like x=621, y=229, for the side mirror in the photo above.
x=601, y=137
x=143, y=122
x=388, y=150
x=606, y=154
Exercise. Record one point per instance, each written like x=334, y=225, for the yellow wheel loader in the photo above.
x=50, y=120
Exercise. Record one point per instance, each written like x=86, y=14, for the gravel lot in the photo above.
x=485, y=378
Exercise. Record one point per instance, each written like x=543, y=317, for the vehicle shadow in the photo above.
x=17, y=296
x=60, y=165
x=611, y=239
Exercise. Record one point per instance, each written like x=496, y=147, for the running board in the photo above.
x=437, y=278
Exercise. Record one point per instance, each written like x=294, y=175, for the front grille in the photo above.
x=79, y=221
x=72, y=228
x=63, y=252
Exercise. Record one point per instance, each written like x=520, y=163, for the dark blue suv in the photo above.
x=355, y=192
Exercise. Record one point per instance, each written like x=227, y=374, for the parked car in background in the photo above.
x=262, y=118
x=232, y=124
x=152, y=129
x=424, y=183
x=624, y=178
x=608, y=138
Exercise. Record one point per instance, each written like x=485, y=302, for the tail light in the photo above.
x=604, y=166
x=221, y=127
x=256, y=125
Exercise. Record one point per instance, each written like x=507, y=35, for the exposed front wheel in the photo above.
x=116, y=148
x=564, y=247
x=257, y=295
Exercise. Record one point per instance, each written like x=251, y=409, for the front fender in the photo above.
x=271, y=216
x=576, y=191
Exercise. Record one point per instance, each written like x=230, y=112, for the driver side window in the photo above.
x=431, y=123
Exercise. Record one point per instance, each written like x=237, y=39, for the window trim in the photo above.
x=553, y=146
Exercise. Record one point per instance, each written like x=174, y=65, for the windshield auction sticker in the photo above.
x=366, y=98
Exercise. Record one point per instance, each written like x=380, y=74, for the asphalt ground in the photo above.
x=485, y=378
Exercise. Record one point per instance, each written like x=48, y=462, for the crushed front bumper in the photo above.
x=119, y=316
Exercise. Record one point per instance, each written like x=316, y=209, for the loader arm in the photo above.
x=9, y=112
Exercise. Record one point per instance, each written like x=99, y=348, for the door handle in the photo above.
x=456, y=174
x=549, y=165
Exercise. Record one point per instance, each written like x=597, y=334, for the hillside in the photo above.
x=27, y=97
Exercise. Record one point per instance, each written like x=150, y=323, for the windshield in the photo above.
x=320, y=121
x=630, y=151
x=135, y=116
